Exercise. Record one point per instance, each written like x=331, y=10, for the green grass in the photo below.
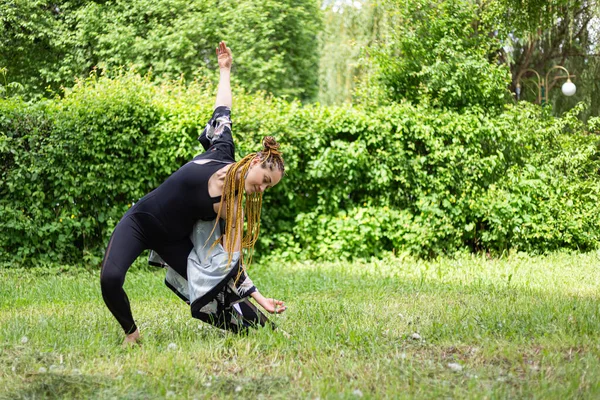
x=520, y=327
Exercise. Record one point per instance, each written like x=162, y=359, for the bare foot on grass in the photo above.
x=132, y=339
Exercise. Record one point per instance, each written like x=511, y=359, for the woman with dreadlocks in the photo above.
x=210, y=188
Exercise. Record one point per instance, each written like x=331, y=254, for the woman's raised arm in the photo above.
x=225, y=60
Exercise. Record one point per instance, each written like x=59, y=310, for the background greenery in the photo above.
x=403, y=142
x=47, y=44
x=397, y=121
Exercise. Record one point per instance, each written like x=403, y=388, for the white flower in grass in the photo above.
x=357, y=393
x=415, y=336
x=455, y=367
x=24, y=339
x=238, y=389
x=172, y=346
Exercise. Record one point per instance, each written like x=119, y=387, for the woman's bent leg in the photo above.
x=125, y=245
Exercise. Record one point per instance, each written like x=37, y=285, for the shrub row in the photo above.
x=359, y=182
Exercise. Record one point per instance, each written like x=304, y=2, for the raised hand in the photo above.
x=224, y=56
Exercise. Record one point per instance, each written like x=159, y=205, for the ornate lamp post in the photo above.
x=568, y=88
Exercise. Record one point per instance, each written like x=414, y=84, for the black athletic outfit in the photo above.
x=163, y=219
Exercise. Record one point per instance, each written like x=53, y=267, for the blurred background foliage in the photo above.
x=48, y=44
x=398, y=119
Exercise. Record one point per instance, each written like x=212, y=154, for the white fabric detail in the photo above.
x=207, y=265
x=213, y=133
x=237, y=308
x=178, y=282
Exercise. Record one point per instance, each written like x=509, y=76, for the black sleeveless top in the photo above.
x=169, y=212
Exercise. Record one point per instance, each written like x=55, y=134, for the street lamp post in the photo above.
x=568, y=88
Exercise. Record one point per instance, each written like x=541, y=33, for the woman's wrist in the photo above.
x=256, y=295
x=260, y=299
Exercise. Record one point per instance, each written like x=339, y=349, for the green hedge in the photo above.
x=359, y=182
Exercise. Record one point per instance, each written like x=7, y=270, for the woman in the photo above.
x=210, y=187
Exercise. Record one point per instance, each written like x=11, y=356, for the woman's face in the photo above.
x=259, y=177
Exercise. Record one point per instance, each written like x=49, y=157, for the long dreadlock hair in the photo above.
x=233, y=190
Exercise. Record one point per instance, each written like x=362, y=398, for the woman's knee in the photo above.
x=111, y=276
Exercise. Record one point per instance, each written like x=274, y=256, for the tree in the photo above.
x=565, y=35
x=47, y=43
x=350, y=29
x=444, y=54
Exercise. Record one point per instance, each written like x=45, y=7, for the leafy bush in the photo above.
x=75, y=165
x=359, y=182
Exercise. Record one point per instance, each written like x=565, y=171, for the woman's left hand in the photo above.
x=274, y=306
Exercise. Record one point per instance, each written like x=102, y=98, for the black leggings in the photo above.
x=127, y=242
x=247, y=316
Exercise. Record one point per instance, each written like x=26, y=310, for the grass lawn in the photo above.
x=518, y=327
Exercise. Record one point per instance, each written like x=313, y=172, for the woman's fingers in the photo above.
x=279, y=306
x=222, y=49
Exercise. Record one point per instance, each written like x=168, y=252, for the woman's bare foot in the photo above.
x=132, y=339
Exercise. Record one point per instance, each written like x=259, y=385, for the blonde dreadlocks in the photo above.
x=234, y=213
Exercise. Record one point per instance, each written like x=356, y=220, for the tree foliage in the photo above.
x=349, y=31
x=459, y=53
x=441, y=53
x=50, y=43
x=566, y=35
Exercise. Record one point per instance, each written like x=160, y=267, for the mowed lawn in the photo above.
x=516, y=327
